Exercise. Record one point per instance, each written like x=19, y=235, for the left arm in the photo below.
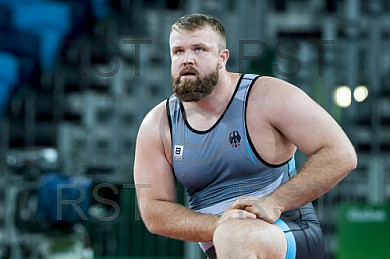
x=311, y=129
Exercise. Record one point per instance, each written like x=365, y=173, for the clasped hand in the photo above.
x=263, y=208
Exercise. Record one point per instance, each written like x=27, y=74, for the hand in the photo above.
x=233, y=213
x=264, y=208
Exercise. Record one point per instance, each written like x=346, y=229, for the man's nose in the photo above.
x=188, y=58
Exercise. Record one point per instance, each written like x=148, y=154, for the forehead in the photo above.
x=206, y=36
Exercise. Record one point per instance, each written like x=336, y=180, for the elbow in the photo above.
x=151, y=224
x=354, y=162
x=351, y=164
x=350, y=160
x=152, y=228
x=153, y=218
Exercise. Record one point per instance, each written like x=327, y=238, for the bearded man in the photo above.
x=230, y=139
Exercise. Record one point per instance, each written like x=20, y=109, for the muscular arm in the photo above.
x=302, y=122
x=159, y=210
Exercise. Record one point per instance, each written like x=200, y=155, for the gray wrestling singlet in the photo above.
x=218, y=165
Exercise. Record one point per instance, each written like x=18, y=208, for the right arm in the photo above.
x=157, y=203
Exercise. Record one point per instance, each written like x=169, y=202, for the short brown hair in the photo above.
x=191, y=22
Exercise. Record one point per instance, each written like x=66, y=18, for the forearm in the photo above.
x=321, y=172
x=178, y=222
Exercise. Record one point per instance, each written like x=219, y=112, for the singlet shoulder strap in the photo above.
x=168, y=111
x=246, y=82
x=250, y=76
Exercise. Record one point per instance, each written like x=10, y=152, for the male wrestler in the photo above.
x=230, y=140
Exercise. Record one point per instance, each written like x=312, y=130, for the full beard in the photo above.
x=192, y=90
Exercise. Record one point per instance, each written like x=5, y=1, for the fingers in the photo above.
x=242, y=202
x=260, y=213
x=263, y=208
x=243, y=214
x=236, y=214
x=235, y=205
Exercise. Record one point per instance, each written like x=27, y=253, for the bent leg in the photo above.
x=249, y=238
x=303, y=224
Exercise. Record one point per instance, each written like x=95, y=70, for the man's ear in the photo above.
x=223, y=57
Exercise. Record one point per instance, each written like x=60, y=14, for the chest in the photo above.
x=219, y=156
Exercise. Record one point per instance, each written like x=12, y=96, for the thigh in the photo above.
x=307, y=232
x=252, y=234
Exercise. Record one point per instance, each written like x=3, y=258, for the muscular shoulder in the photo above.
x=289, y=112
x=155, y=118
x=270, y=95
x=271, y=87
x=154, y=129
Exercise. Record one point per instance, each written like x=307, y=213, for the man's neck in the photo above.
x=215, y=103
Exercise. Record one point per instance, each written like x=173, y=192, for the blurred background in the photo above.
x=78, y=76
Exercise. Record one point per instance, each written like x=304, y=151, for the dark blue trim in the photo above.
x=291, y=244
x=220, y=118
x=248, y=135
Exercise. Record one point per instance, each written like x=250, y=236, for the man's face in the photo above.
x=195, y=62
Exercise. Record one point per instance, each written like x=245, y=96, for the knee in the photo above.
x=226, y=234
x=257, y=239
x=229, y=242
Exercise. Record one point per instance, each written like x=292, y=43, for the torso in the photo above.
x=217, y=161
x=270, y=144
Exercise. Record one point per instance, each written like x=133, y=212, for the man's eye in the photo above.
x=179, y=51
x=199, y=50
